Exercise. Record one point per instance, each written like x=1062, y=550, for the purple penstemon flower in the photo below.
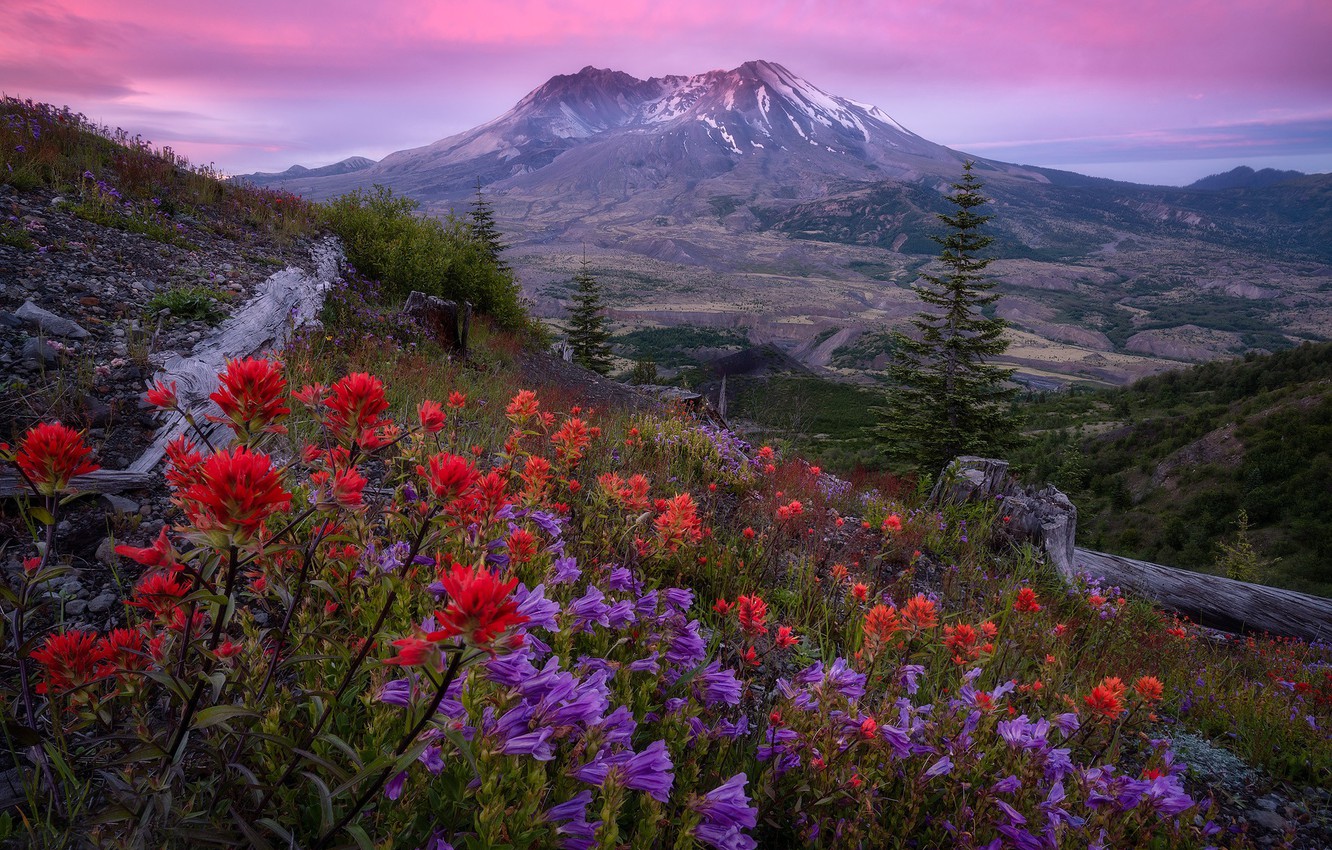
x=726, y=811
x=621, y=579
x=942, y=767
x=719, y=686
x=539, y=611
x=589, y=609
x=687, y=648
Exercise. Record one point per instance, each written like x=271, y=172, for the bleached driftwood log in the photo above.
x=285, y=301
x=1048, y=519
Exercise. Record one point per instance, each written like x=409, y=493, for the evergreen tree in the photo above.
x=587, y=324
x=481, y=217
x=949, y=400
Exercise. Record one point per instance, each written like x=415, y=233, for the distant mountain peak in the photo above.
x=1244, y=177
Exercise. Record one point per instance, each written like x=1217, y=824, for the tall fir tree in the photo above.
x=588, y=336
x=481, y=217
x=948, y=399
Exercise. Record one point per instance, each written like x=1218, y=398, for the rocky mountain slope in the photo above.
x=726, y=199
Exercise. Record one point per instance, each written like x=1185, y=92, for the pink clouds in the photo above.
x=315, y=80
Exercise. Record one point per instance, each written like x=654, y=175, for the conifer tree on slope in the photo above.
x=481, y=217
x=588, y=336
x=949, y=400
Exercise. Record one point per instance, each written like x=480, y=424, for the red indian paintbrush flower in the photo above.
x=251, y=395
x=1026, y=601
x=919, y=613
x=1149, y=688
x=480, y=605
x=237, y=490
x=123, y=650
x=785, y=638
x=160, y=554
x=162, y=395
x=69, y=660
x=431, y=415
x=160, y=592
x=1102, y=701
x=183, y=463
x=752, y=611
x=570, y=441
x=679, y=523
x=522, y=407
x=892, y=522
x=51, y=454
x=354, y=404
x=449, y=476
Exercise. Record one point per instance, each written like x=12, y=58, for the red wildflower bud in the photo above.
x=785, y=638
x=457, y=400
x=721, y=606
x=162, y=396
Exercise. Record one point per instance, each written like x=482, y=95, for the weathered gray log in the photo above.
x=101, y=481
x=1048, y=519
x=1215, y=601
x=285, y=301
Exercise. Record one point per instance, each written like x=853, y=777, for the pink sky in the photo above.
x=1142, y=90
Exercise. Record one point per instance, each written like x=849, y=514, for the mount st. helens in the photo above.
x=751, y=199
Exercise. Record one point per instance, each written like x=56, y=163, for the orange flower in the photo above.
x=250, y=393
x=570, y=441
x=51, y=454
x=1102, y=701
x=536, y=477
x=1149, y=688
x=860, y=591
x=838, y=572
x=1026, y=601
x=522, y=407
x=919, y=613
x=785, y=638
x=237, y=490
x=752, y=612
x=892, y=522
x=431, y=415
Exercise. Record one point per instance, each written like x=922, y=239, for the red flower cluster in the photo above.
x=963, y=641
x=70, y=660
x=752, y=612
x=51, y=454
x=1026, y=601
x=431, y=415
x=919, y=613
x=480, y=605
x=1106, y=699
x=235, y=492
x=892, y=522
x=790, y=511
x=631, y=494
x=251, y=395
x=572, y=440
x=678, y=524
x=450, y=476
x=354, y=405
x=522, y=407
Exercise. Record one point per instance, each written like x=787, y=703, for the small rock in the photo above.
x=76, y=608
x=50, y=322
x=97, y=411
x=120, y=504
x=37, y=352
x=106, y=551
x=9, y=320
x=1267, y=802
x=102, y=603
x=1268, y=820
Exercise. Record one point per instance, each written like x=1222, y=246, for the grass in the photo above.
x=190, y=303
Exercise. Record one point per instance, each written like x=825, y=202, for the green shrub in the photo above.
x=385, y=240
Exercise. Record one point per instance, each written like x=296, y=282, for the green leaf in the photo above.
x=215, y=714
x=362, y=839
x=325, y=801
x=42, y=515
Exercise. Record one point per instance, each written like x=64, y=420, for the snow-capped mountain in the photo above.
x=601, y=135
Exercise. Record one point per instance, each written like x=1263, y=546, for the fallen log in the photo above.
x=285, y=301
x=1215, y=601
x=1048, y=520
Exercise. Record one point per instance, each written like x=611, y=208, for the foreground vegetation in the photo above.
x=1160, y=470
x=418, y=601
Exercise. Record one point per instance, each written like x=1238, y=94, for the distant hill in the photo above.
x=350, y=165
x=1159, y=470
x=1244, y=177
